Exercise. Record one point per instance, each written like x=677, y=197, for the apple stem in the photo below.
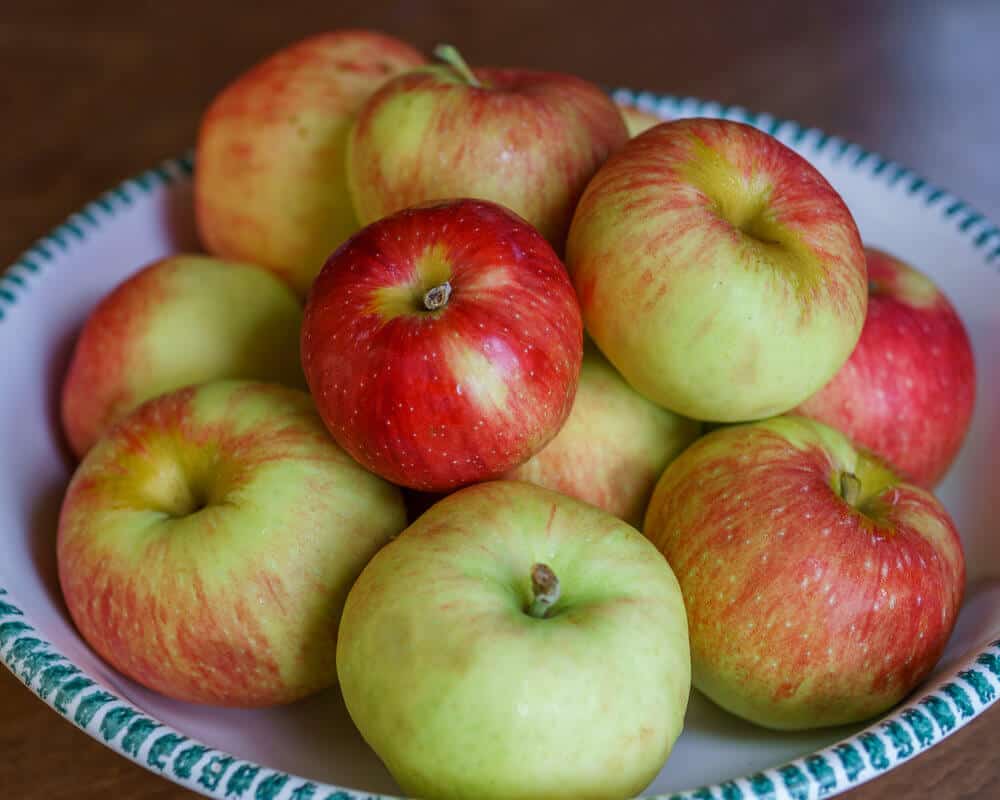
x=545, y=590
x=449, y=55
x=850, y=487
x=437, y=297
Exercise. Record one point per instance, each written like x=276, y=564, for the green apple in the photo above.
x=515, y=643
x=718, y=270
x=270, y=184
x=820, y=587
x=208, y=541
x=613, y=447
x=183, y=320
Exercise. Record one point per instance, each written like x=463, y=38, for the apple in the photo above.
x=207, y=543
x=270, y=184
x=718, y=270
x=820, y=587
x=182, y=320
x=638, y=120
x=524, y=139
x=908, y=389
x=515, y=643
x=613, y=447
x=443, y=344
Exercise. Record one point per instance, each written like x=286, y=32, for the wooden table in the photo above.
x=95, y=91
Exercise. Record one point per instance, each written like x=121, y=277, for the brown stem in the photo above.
x=545, y=590
x=437, y=297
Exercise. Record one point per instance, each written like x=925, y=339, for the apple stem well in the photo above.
x=449, y=55
x=545, y=590
x=850, y=487
x=437, y=297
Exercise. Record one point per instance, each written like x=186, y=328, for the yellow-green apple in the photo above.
x=718, y=270
x=208, y=541
x=613, y=447
x=516, y=644
x=183, y=320
x=527, y=140
x=270, y=184
x=443, y=344
x=820, y=588
x=637, y=120
x=908, y=389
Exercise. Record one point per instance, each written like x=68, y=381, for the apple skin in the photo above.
x=805, y=610
x=527, y=140
x=270, y=184
x=463, y=694
x=436, y=399
x=207, y=544
x=638, y=121
x=908, y=390
x=718, y=270
x=613, y=447
x=182, y=320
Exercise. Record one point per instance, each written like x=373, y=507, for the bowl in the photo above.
x=311, y=749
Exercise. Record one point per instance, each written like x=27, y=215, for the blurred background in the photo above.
x=93, y=92
x=96, y=91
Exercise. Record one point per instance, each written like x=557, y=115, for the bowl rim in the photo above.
x=911, y=728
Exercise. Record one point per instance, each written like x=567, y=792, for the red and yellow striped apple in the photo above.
x=908, y=389
x=820, y=588
x=270, y=184
x=208, y=541
x=183, y=320
x=718, y=270
x=613, y=447
x=527, y=140
x=443, y=344
x=517, y=643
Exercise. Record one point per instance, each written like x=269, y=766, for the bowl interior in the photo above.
x=54, y=288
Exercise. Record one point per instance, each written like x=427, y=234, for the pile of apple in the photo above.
x=231, y=538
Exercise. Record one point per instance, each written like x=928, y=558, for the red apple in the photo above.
x=443, y=344
x=908, y=389
x=270, y=184
x=820, y=587
x=527, y=140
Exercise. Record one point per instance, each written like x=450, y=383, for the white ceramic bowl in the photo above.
x=311, y=749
